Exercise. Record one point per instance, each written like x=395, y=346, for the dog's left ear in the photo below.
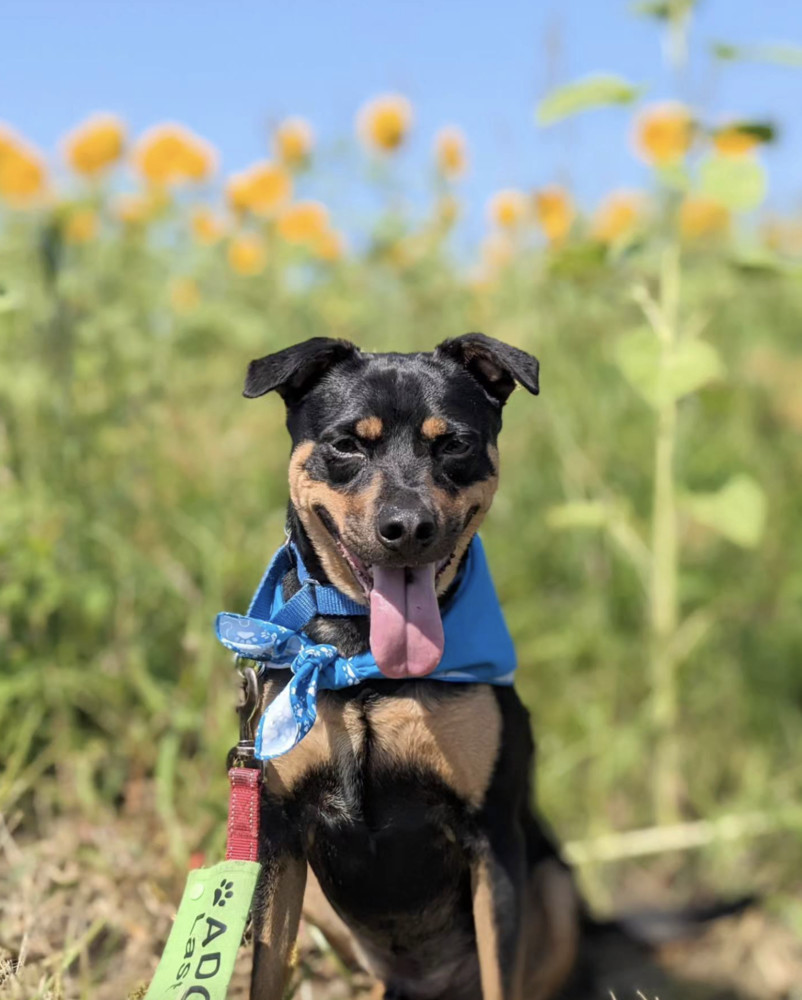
x=495, y=366
x=294, y=371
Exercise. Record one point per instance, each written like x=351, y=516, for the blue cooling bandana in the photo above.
x=478, y=647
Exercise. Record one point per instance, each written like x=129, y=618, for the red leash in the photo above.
x=242, y=841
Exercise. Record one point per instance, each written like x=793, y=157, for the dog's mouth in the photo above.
x=406, y=629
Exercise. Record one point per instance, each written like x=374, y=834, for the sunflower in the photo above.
x=134, y=209
x=293, y=141
x=247, y=254
x=207, y=228
x=451, y=152
x=303, y=222
x=617, y=216
x=554, y=211
x=328, y=245
x=95, y=145
x=663, y=133
x=81, y=226
x=23, y=177
x=384, y=122
x=171, y=154
x=262, y=189
x=734, y=141
x=507, y=209
x=701, y=218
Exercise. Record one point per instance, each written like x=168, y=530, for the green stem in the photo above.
x=664, y=568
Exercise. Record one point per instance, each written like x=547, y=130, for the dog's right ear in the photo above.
x=294, y=371
x=496, y=366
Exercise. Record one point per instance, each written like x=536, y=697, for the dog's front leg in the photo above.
x=498, y=875
x=277, y=910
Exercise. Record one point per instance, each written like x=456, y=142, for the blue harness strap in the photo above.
x=311, y=600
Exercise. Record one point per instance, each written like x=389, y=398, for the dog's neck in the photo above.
x=350, y=634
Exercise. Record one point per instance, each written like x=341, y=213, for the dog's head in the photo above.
x=394, y=466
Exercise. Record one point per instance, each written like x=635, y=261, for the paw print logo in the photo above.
x=224, y=892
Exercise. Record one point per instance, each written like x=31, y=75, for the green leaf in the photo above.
x=577, y=260
x=578, y=514
x=781, y=54
x=663, y=10
x=737, y=182
x=724, y=51
x=590, y=92
x=690, y=365
x=761, y=131
x=758, y=259
x=737, y=511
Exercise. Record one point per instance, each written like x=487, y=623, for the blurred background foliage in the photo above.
x=646, y=539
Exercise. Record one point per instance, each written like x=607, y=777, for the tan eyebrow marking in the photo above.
x=369, y=428
x=433, y=427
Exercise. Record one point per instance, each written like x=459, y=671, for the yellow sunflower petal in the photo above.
x=247, y=254
x=507, y=209
x=451, y=152
x=617, y=216
x=384, y=122
x=95, y=144
x=262, y=189
x=663, y=133
x=293, y=142
x=81, y=226
x=555, y=212
x=701, y=218
x=23, y=175
x=732, y=141
x=171, y=154
x=207, y=228
x=303, y=222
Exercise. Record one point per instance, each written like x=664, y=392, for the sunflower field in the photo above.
x=646, y=540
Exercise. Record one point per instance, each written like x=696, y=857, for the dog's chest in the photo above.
x=360, y=746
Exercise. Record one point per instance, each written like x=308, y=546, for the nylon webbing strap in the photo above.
x=312, y=599
x=299, y=610
x=331, y=602
x=242, y=843
x=315, y=599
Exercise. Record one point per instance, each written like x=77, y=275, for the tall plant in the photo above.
x=666, y=361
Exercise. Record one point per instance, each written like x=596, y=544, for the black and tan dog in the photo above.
x=409, y=800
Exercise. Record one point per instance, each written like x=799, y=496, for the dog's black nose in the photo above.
x=406, y=530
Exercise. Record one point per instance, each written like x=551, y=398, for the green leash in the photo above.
x=198, y=959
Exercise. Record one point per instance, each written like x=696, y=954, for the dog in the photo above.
x=403, y=823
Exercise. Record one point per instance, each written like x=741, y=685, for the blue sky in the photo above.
x=228, y=69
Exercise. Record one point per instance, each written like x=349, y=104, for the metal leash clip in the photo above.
x=242, y=755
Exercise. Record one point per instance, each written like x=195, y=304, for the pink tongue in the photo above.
x=406, y=631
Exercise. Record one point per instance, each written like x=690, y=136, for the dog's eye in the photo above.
x=455, y=447
x=346, y=446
